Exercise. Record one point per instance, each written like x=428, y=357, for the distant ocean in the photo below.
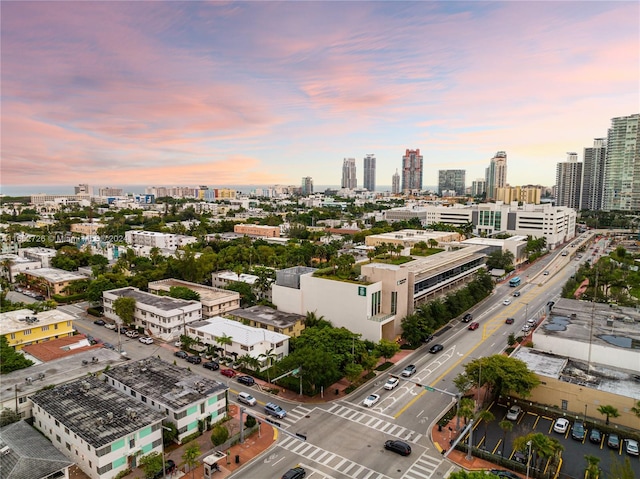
x=27, y=190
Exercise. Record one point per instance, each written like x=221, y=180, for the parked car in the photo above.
x=595, y=436
x=577, y=431
x=99, y=322
x=613, y=441
x=516, y=294
x=513, y=413
x=146, y=340
x=526, y=328
x=473, y=326
x=169, y=468
x=391, y=383
x=39, y=297
x=467, y=317
x=546, y=273
x=295, y=473
x=274, y=410
x=504, y=474
x=436, y=348
x=506, y=302
x=631, y=446
x=132, y=333
x=371, y=399
x=109, y=346
x=561, y=425
x=212, y=365
x=178, y=344
x=194, y=359
x=509, y=320
x=409, y=370
x=123, y=330
x=110, y=326
x=228, y=373
x=181, y=354
x=399, y=447
x=246, y=380
x=247, y=399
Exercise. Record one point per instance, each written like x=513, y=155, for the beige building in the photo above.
x=50, y=281
x=522, y=194
x=257, y=230
x=215, y=301
x=87, y=229
x=264, y=317
x=409, y=238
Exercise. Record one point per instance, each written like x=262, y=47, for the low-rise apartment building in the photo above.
x=50, y=281
x=215, y=301
x=103, y=430
x=188, y=400
x=155, y=239
x=160, y=316
x=261, y=231
x=12, y=265
x=23, y=327
x=271, y=319
x=43, y=255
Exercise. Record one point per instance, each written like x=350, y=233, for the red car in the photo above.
x=473, y=326
x=228, y=372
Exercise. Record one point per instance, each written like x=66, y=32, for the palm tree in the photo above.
x=269, y=356
x=506, y=426
x=608, y=411
x=486, y=416
x=466, y=409
x=190, y=456
x=592, y=470
x=225, y=341
x=636, y=409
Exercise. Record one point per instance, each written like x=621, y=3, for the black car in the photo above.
x=577, y=431
x=436, y=348
x=194, y=359
x=613, y=441
x=504, y=474
x=246, y=380
x=123, y=330
x=398, y=447
x=295, y=473
x=211, y=365
x=39, y=297
x=595, y=436
x=169, y=468
x=99, y=322
x=467, y=318
x=181, y=354
x=428, y=338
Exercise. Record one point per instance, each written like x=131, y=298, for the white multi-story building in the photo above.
x=160, y=316
x=245, y=339
x=43, y=255
x=103, y=430
x=215, y=301
x=12, y=265
x=189, y=400
x=155, y=239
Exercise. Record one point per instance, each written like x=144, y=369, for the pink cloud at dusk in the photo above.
x=268, y=92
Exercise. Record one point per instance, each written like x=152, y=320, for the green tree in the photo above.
x=593, y=470
x=247, y=296
x=268, y=356
x=10, y=360
x=507, y=427
x=620, y=470
x=8, y=416
x=387, y=349
x=250, y=422
x=225, y=341
x=182, y=292
x=353, y=371
x=636, y=409
x=462, y=474
x=190, y=456
x=125, y=308
x=466, y=409
x=151, y=464
x=169, y=432
x=219, y=435
x=608, y=411
x=486, y=416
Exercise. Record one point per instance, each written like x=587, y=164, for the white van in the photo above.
x=247, y=399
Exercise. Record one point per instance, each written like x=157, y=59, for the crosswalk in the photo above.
x=423, y=468
x=374, y=422
x=292, y=417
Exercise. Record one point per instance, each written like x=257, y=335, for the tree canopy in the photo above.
x=10, y=360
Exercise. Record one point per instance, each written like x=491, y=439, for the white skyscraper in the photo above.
x=349, y=179
x=370, y=172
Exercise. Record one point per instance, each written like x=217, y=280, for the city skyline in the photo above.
x=267, y=93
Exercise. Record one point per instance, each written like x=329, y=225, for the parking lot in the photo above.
x=489, y=437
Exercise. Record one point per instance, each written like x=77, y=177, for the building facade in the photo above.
x=264, y=317
x=478, y=187
x=349, y=178
x=307, y=186
x=451, y=180
x=496, y=174
x=412, y=171
x=568, y=182
x=260, y=231
x=215, y=301
x=593, y=175
x=23, y=327
x=369, y=182
x=155, y=239
x=622, y=166
x=395, y=183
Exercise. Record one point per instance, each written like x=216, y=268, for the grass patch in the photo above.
x=384, y=366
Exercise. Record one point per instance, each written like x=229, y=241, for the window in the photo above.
x=57, y=423
x=66, y=430
x=68, y=446
x=58, y=438
x=26, y=332
x=13, y=335
x=105, y=468
x=394, y=302
x=565, y=404
x=45, y=328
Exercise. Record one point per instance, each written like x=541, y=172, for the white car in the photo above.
x=132, y=333
x=506, y=302
x=631, y=446
x=513, y=413
x=561, y=425
x=146, y=340
x=371, y=400
x=110, y=326
x=391, y=383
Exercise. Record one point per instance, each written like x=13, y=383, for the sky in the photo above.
x=241, y=93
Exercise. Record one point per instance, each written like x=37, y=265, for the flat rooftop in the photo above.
x=165, y=383
x=622, y=382
x=57, y=372
x=596, y=323
x=207, y=293
x=165, y=303
x=60, y=348
x=21, y=319
x=55, y=275
x=444, y=261
x=416, y=235
x=95, y=411
x=241, y=333
x=266, y=315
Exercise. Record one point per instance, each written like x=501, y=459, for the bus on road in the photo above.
x=513, y=282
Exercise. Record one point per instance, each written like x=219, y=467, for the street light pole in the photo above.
x=528, y=457
x=164, y=469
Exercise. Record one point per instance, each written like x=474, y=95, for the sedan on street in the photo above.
x=146, y=340
x=181, y=354
x=228, y=373
x=436, y=348
x=506, y=302
x=246, y=380
x=509, y=320
x=399, y=447
x=473, y=326
x=409, y=370
x=194, y=359
x=212, y=365
x=99, y=322
x=391, y=383
x=370, y=400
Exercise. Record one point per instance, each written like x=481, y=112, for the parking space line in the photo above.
x=497, y=446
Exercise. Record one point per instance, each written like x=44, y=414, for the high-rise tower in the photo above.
x=593, y=175
x=307, y=186
x=496, y=174
x=369, y=182
x=568, y=182
x=349, y=179
x=412, y=171
x=622, y=166
x=451, y=180
x=395, y=183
